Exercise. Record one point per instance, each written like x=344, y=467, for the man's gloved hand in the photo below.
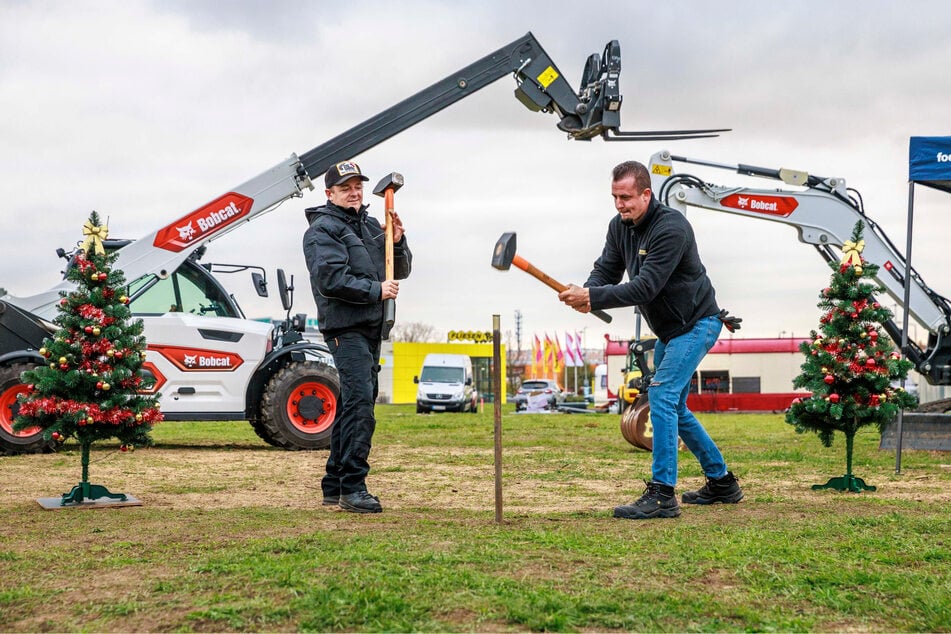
x=731, y=323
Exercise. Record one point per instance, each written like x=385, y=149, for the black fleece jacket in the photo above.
x=666, y=277
x=345, y=254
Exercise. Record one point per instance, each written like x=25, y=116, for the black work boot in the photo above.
x=658, y=501
x=725, y=490
x=331, y=500
x=361, y=502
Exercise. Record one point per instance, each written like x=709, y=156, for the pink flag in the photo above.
x=570, y=351
x=579, y=352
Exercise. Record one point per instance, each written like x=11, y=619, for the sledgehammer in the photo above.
x=386, y=188
x=504, y=257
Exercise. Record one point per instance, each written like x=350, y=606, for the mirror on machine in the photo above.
x=260, y=284
x=284, y=289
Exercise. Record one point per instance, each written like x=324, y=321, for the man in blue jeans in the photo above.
x=655, y=246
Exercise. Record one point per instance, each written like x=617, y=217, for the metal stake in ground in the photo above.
x=497, y=402
x=386, y=188
x=504, y=256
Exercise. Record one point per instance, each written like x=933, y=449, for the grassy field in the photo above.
x=232, y=536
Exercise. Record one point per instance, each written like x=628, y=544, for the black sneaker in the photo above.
x=331, y=500
x=360, y=502
x=725, y=490
x=658, y=501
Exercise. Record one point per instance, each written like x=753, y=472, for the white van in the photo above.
x=445, y=384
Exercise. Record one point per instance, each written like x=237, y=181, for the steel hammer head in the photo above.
x=391, y=181
x=504, y=251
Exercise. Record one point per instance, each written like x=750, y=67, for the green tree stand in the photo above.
x=848, y=482
x=84, y=491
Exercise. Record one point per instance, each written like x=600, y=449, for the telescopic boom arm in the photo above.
x=592, y=111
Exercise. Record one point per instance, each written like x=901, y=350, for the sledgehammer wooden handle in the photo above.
x=549, y=281
x=523, y=264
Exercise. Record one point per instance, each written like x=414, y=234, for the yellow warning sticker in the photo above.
x=548, y=75
x=663, y=170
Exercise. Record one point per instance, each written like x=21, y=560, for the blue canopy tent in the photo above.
x=929, y=163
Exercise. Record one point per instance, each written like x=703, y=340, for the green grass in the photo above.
x=785, y=559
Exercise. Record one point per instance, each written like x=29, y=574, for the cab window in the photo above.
x=184, y=291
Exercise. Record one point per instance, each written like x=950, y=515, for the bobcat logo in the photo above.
x=742, y=203
x=187, y=232
x=191, y=360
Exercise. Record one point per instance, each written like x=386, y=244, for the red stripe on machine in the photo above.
x=203, y=222
x=780, y=206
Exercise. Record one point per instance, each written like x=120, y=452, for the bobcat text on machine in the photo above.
x=209, y=361
x=824, y=212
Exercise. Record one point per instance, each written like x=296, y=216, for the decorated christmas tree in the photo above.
x=90, y=387
x=851, y=365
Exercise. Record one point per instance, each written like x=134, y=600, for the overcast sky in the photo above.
x=145, y=111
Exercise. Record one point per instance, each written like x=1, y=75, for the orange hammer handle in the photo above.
x=521, y=263
x=388, y=204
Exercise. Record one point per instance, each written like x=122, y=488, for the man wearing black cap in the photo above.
x=345, y=253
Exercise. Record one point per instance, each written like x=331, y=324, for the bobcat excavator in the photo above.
x=824, y=211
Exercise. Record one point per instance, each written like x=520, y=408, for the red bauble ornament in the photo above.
x=870, y=363
x=834, y=398
x=123, y=448
x=829, y=379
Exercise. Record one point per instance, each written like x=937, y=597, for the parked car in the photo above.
x=534, y=391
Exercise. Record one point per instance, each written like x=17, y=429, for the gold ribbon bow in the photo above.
x=94, y=237
x=851, y=252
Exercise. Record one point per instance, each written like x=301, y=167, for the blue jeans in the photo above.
x=675, y=363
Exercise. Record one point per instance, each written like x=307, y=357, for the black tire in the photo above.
x=12, y=442
x=257, y=424
x=299, y=406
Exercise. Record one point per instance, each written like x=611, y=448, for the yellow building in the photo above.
x=402, y=361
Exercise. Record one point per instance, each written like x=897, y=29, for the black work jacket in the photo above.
x=665, y=275
x=345, y=252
